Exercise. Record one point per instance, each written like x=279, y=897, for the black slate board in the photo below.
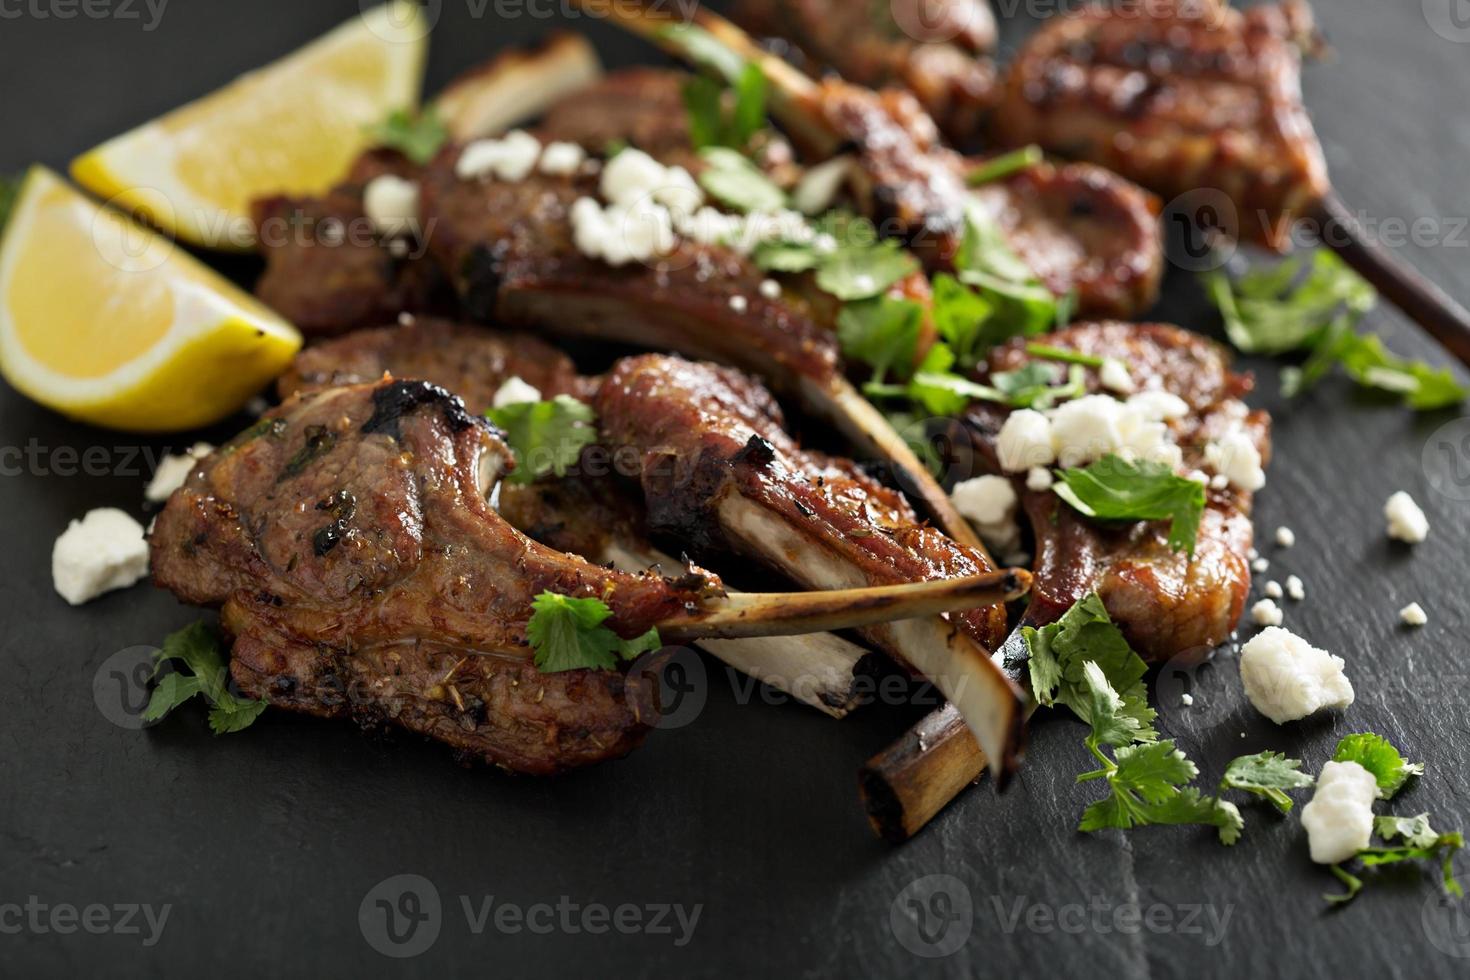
x=266, y=845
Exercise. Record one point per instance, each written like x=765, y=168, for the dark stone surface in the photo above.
x=266, y=844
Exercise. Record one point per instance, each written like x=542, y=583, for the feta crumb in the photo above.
x=1260, y=565
x=818, y=187
x=633, y=176
x=1236, y=458
x=825, y=243
x=392, y=205
x=1413, y=615
x=1406, y=522
x=1039, y=479
x=1285, y=537
x=1114, y=376
x=514, y=391
x=1273, y=590
x=1266, y=613
x=1287, y=678
x=618, y=235
x=739, y=304
x=1086, y=429
x=561, y=159
x=405, y=319
x=989, y=503
x=509, y=158
x=1187, y=699
x=1158, y=406
x=1295, y=590
x=1025, y=441
x=105, y=550
x=1198, y=476
x=1339, y=817
x=172, y=471
x=1252, y=554
x=1219, y=481
x=770, y=289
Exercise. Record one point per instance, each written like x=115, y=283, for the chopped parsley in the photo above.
x=1005, y=165
x=197, y=648
x=417, y=135
x=736, y=182
x=1315, y=309
x=1116, y=489
x=711, y=124
x=545, y=436
x=882, y=332
x=1268, y=775
x=1421, y=842
x=1378, y=755
x=568, y=634
x=862, y=271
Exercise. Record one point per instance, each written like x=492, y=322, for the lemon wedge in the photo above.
x=109, y=322
x=291, y=127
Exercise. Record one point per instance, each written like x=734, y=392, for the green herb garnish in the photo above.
x=1268, y=775
x=1378, y=755
x=545, y=436
x=417, y=135
x=1005, y=165
x=735, y=181
x=709, y=122
x=197, y=648
x=568, y=634
x=1116, y=489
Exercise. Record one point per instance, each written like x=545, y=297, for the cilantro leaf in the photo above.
x=960, y=315
x=1104, y=710
x=1022, y=305
x=1114, y=488
x=856, y=272
x=1414, y=830
x=735, y=181
x=1378, y=755
x=750, y=105
x=417, y=135
x=704, y=49
x=546, y=436
x=703, y=106
x=882, y=332
x=1005, y=165
x=1276, y=310
x=1353, y=882
x=1060, y=652
x=783, y=256
x=1148, y=785
x=1442, y=847
x=709, y=122
x=197, y=648
x=1267, y=774
x=1047, y=352
x=567, y=634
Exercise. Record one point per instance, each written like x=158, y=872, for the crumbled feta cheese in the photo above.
x=633, y=176
x=1339, y=817
x=1285, y=537
x=1406, y=522
x=392, y=205
x=739, y=304
x=989, y=503
x=1158, y=406
x=1025, y=441
x=1114, y=376
x=1086, y=429
x=1236, y=458
x=509, y=158
x=405, y=319
x=172, y=471
x=1260, y=565
x=1273, y=590
x=1252, y=554
x=1266, y=613
x=711, y=227
x=770, y=289
x=1413, y=615
x=638, y=232
x=1039, y=479
x=514, y=391
x=561, y=159
x=818, y=187
x=1198, y=476
x=1295, y=589
x=1187, y=699
x=825, y=243
x=1219, y=481
x=1287, y=678
x=105, y=550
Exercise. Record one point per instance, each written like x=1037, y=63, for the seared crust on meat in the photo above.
x=468, y=360
x=1192, y=95
x=1167, y=603
x=327, y=272
x=347, y=539
x=705, y=434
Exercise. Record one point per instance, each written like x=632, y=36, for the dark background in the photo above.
x=266, y=843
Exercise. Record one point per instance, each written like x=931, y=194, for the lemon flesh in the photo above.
x=292, y=127
x=108, y=322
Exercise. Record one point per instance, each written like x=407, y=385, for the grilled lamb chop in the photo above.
x=1166, y=603
x=932, y=49
x=914, y=188
x=719, y=471
x=1193, y=95
x=361, y=573
x=579, y=513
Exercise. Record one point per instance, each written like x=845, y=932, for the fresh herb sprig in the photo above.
x=715, y=120
x=417, y=135
x=1378, y=755
x=1117, y=489
x=545, y=436
x=197, y=648
x=568, y=634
